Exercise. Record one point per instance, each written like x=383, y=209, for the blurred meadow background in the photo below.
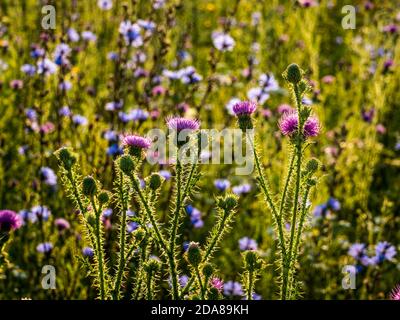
x=80, y=85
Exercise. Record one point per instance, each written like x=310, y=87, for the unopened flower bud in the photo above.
x=293, y=73
x=89, y=187
x=194, y=254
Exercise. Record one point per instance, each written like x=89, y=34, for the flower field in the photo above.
x=199, y=149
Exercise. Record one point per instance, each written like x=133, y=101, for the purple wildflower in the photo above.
x=395, y=294
x=222, y=184
x=88, y=252
x=247, y=243
x=233, y=289
x=179, y=124
x=244, y=108
x=9, y=220
x=289, y=124
x=44, y=247
x=311, y=127
x=217, y=284
x=61, y=224
x=136, y=141
x=385, y=251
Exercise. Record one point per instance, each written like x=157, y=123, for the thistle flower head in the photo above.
x=136, y=141
x=217, y=284
x=178, y=124
x=244, y=108
x=61, y=224
x=311, y=127
x=136, y=144
x=290, y=121
x=9, y=220
x=395, y=294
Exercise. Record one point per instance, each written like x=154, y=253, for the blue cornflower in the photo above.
x=45, y=247
x=222, y=184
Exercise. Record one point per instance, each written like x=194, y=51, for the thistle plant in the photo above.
x=9, y=221
x=292, y=208
x=153, y=236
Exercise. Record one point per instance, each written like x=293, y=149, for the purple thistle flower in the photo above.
x=9, y=220
x=244, y=108
x=395, y=294
x=136, y=141
x=288, y=123
x=217, y=284
x=311, y=127
x=179, y=124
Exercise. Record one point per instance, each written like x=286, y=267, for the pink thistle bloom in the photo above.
x=136, y=141
x=244, y=108
x=158, y=91
x=289, y=125
x=311, y=127
x=179, y=124
x=395, y=294
x=9, y=220
x=217, y=284
x=308, y=3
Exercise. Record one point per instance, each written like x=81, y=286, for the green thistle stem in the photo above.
x=200, y=282
x=210, y=248
x=149, y=213
x=300, y=228
x=251, y=285
x=174, y=230
x=122, y=237
x=289, y=175
x=99, y=250
x=299, y=139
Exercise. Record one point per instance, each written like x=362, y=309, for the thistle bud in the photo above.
x=194, y=254
x=152, y=265
x=89, y=187
x=103, y=197
x=251, y=260
x=126, y=164
x=139, y=234
x=208, y=270
x=155, y=181
x=66, y=157
x=293, y=73
x=229, y=202
x=312, y=166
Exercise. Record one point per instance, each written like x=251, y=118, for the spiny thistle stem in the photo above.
x=250, y=288
x=149, y=290
x=200, y=283
x=285, y=189
x=217, y=234
x=299, y=140
x=268, y=198
x=174, y=229
x=300, y=228
x=150, y=216
x=122, y=237
x=99, y=250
